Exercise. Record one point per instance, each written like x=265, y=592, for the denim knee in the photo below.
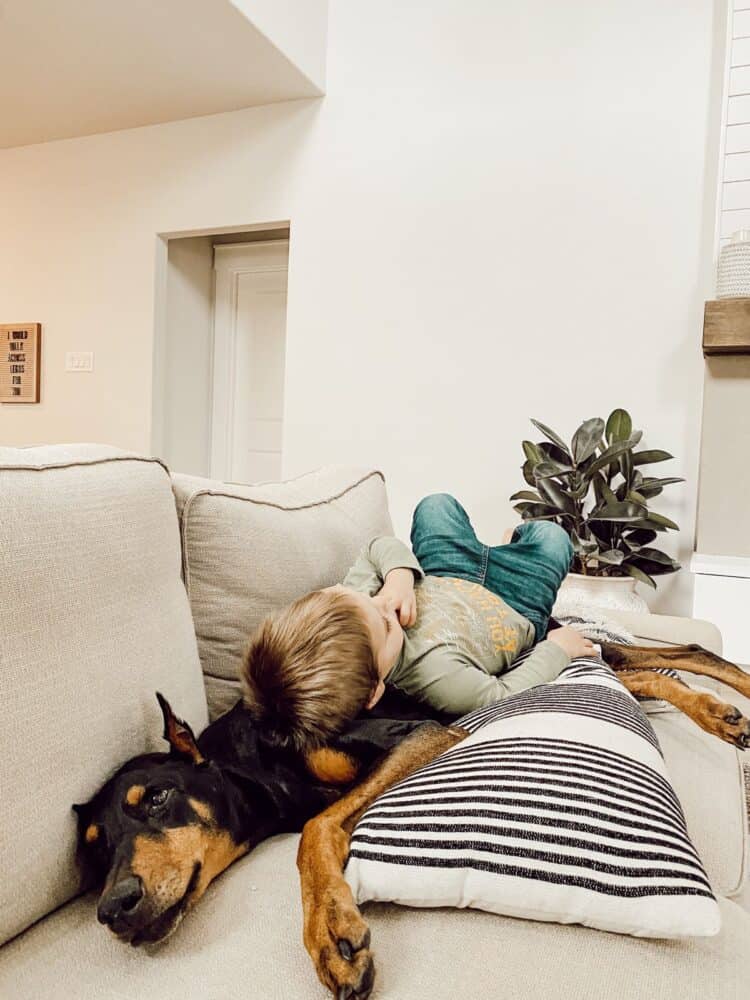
x=437, y=514
x=436, y=504
x=555, y=539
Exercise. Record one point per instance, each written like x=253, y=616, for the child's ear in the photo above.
x=376, y=694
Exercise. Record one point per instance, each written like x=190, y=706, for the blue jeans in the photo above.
x=526, y=573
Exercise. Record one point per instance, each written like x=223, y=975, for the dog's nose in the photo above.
x=121, y=901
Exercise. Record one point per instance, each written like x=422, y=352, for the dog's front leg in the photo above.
x=335, y=935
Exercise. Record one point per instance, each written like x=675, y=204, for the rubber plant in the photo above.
x=597, y=490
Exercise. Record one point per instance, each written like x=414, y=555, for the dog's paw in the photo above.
x=736, y=728
x=338, y=940
x=726, y=722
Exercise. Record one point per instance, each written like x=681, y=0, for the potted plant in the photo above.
x=597, y=490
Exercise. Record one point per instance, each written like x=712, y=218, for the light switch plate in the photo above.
x=79, y=361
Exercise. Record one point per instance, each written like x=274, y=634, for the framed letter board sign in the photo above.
x=20, y=362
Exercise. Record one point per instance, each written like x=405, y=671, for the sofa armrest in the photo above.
x=659, y=630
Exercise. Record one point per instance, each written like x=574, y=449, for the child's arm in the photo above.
x=375, y=562
x=452, y=684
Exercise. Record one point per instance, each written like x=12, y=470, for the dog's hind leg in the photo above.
x=693, y=659
x=335, y=935
x=711, y=714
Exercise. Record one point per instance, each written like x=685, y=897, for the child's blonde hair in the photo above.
x=307, y=672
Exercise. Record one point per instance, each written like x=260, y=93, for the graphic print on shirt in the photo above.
x=465, y=615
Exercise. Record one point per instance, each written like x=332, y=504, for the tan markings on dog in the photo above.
x=330, y=914
x=203, y=809
x=92, y=832
x=134, y=794
x=709, y=712
x=693, y=659
x=333, y=767
x=165, y=862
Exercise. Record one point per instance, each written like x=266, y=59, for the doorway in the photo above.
x=219, y=352
x=248, y=361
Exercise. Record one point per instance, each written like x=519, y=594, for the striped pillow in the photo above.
x=557, y=807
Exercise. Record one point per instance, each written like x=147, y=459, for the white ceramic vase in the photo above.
x=580, y=594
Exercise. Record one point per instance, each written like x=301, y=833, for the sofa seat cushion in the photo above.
x=94, y=618
x=244, y=939
x=250, y=550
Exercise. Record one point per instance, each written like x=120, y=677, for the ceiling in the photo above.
x=77, y=67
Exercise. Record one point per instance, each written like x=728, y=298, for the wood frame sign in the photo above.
x=20, y=362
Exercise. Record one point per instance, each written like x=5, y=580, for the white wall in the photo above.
x=497, y=212
x=184, y=384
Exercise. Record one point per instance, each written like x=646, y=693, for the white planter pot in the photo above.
x=580, y=594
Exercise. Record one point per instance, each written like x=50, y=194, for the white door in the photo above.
x=248, y=361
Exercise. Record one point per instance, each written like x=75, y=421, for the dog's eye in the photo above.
x=157, y=799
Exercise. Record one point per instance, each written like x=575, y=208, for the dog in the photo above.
x=166, y=824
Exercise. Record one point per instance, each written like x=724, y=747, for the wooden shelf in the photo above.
x=726, y=326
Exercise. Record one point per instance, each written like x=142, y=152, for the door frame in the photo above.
x=231, y=261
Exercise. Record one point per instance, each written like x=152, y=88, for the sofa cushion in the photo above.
x=250, y=550
x=94, y=618
x=244, y=939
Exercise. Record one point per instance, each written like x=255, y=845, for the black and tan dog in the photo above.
x=166, y=824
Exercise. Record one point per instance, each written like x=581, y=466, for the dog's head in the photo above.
x=159, y=831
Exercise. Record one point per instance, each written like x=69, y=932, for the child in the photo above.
x=443, y=625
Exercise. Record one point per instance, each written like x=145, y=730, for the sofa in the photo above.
x=119, y=579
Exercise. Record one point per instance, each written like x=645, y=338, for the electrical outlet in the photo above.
x=79, y=361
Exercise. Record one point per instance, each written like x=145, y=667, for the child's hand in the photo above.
x=572, y=642
x=398, y=593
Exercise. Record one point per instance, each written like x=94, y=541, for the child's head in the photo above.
x=310, y=670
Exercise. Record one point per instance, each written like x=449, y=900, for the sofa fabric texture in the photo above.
x=250, y=550
x=244, y=942
x=94, y=619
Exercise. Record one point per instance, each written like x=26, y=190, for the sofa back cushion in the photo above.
x=94, y=619
x=250, y=550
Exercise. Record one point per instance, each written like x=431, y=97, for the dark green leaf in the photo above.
x=526, y=495
x=626, y=467
x=647, y=524
x=528, y=474
x=585, y=545
x=549, y=468
x=533, y=511
x=650, y=567
x=619, y=426
x=639, y=574
x=646, y=457
x=606, y=456
x=618, y=512
x=549, y=433
x=655, y=555
x=612, y=557
x=663, y=521
x=553, y=494
x=640, y=536
x=602, y=492
x=555, y=453
x=586, y=439
x=533, y=452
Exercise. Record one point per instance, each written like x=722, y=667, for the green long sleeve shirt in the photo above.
x=458, y=654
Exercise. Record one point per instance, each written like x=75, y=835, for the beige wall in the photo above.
x=494, y=215
x=724, y=508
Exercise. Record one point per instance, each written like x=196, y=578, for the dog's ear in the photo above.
x=178, y=734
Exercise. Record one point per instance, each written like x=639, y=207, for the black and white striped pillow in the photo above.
x=557, y=807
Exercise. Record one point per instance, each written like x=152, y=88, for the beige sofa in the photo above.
x=117, y=580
